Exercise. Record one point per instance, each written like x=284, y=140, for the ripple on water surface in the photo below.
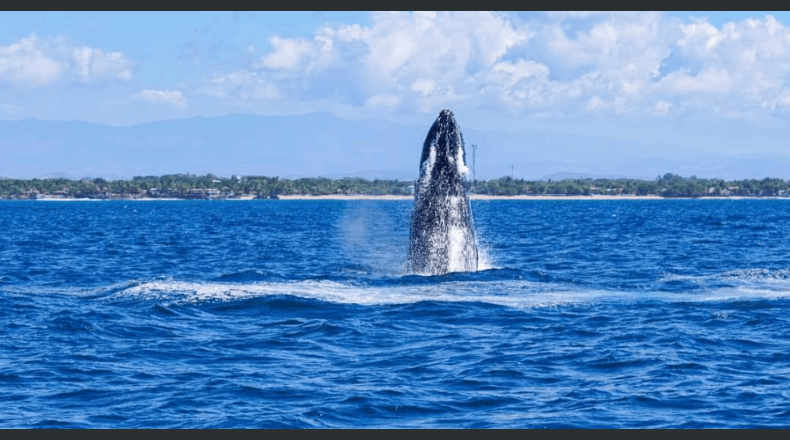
x=300, y=314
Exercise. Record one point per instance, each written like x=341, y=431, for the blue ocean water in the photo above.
x=273, y=313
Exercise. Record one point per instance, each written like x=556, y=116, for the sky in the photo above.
x=719, y=80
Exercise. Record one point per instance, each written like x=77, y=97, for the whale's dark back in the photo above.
x=442, y=237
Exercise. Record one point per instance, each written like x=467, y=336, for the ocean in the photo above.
x=301, y=314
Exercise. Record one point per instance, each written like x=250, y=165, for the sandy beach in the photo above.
x=472, y=197
x=519, y=197
x=344, y=197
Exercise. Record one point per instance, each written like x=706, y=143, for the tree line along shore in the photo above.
x=190, y=186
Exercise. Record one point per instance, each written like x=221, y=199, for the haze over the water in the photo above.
x=85, y=94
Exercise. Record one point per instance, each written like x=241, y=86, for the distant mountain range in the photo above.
x=319, y=144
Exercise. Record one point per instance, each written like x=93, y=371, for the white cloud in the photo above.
x=25, y=62
x=517, y=83
x=596, y=103
x=781, y=101
x=625, y=51
x=710, y=81
x=553, y=64
x=550, y=64
x=748, y=62
x=424, y=86
x=288, y=53
x=441, y=47
x=33, y=62
x=638, y=59
x=662, y=108
x=420, y=56
x=92, y=64
x=162, y=97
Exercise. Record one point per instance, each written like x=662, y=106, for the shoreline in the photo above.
x=524, y=197
x=410, y=197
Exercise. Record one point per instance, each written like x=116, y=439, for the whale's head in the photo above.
x=443, y=163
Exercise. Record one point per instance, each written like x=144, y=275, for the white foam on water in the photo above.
x=747, y=277
x=340, y=293
x=742, y=294
x=514, y=294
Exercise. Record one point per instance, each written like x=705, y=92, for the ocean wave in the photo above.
x=511, y=293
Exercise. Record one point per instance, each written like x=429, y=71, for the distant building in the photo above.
x=196, y=193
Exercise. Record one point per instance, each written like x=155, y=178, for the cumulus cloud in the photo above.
x=420, y=55
x=33, y=62
x=289, y=53
x=162, y=97
x=550, y=64
x=91, y=63
x=747, y=61
x=444, y=47
x=25, y=63
x=662, y=108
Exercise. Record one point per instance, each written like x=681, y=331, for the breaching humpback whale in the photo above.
x=442, y=237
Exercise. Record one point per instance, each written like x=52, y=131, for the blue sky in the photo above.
x=721, y=78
